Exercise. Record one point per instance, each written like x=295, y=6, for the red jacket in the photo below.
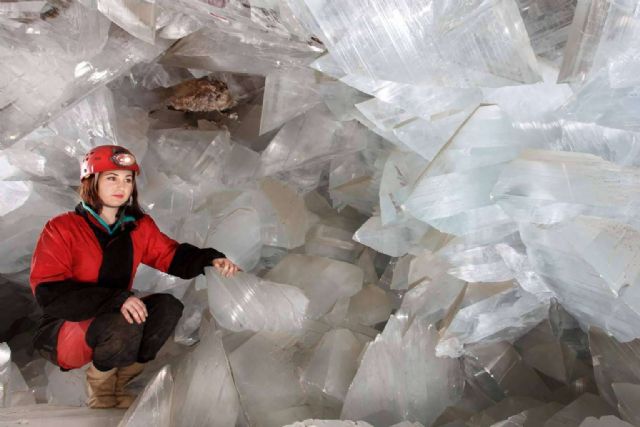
x=79, y=270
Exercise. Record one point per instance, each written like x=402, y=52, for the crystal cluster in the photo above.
x=435, y=205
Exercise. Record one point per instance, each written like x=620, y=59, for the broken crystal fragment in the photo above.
x=245, y=302
x=504, y=316
x=153, y=405
x=333, y=364
x=323, y=280
x=401, y=378
x=204, y=392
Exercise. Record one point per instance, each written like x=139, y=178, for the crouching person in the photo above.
x=82, y=272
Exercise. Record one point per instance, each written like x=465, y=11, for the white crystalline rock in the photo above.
x=398, y=40
x=23, y=223
x=400, y=173
x=526, y=102
x=288, y=222
x=311, y=137
x=400, y=378
x=329, y=423
x=327, y=65
x=331, y=242
x=370, y=306
x=287, y=94
x=245, y=302
x=238, y=49
x=548, y=36
x=547, y=187
x=614, y=145
x=568, y=257
x=333, y=364
x=195, y=303
x=432, y=301
x=268, y=360
x=323, y=280
x=587, y=405
x=527, y=278
x=502, y=317
x=5, y=374
x=66, y=388
x=190, y=154
x=138, y=18
x=203, y=392
x=393, y=240
x=79, y=58
x=42, y=415
x=153, y=405
x=603, y=37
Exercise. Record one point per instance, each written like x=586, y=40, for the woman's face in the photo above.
x=115, y=187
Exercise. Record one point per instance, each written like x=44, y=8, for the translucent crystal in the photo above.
x=431, y=301
x=66, y=388
x=138, y=18
x=61, y=416
x=370, y=306
x=531, y=417
x=204, y=391
x=266, y=360
x=546, y=187
x=614, y=145
x=333, y=364
x=547, y=24
x=393, y=240
x=153, y=405
x=502, y=317
x=400, y=378
x=504, y=409
x=238, y=49
x=397, y=41
x=287, y=94
x=401, y=171
x=331, y=242
x=499, y=370
x=288, y=221
x=245, y=302
x=323, y=280
x=329, y=423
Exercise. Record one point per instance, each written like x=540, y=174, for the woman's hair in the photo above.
x=88, y=191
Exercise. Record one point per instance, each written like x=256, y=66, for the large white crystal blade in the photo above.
x=323, y=280
x=546, y=187
x=548, y=36
x=400, y=377
x=267, y=360
x=334, y=363
x=42, y=89
x=238, y=49
x=393, y=240
x=245, y=302
x=287, y=94
x=153, y=405
x=137, y=17
x=400, y=173
x=406, y=42
x=431, y=301
x=331, y=242
x=613, y=362
x=369, y=307
x=614, y=145
x=503, y=317
x=204, y=392
x=288, y=221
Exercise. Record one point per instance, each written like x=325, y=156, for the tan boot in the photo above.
x=101, y=388
x=123, y=377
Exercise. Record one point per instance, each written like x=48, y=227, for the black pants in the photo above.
x=118, y=343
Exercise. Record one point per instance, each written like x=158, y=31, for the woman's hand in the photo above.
x=134, y=309
x=225, y=267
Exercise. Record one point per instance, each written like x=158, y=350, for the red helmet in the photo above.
x=107, y=158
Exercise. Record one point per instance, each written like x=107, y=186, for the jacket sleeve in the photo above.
x=54, y=288
x=178, y=259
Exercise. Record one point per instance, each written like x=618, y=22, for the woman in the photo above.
x=82, y=272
